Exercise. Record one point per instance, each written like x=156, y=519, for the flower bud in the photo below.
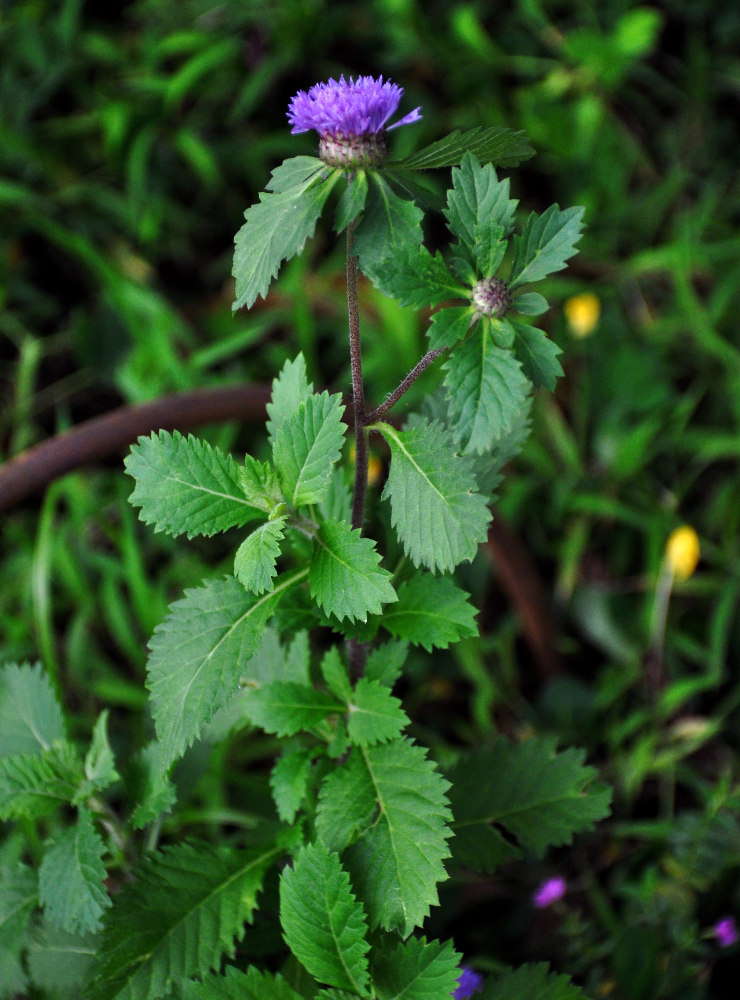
x=682, y=551
x=491, y=297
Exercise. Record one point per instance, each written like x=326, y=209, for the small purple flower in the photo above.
x=468, y=983
x=725, y=930
x=350, y=117
x=549, y=892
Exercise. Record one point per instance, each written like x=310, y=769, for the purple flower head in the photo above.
x=468, y=983
x=725, y=930
x=350, y=117
x=549, y=892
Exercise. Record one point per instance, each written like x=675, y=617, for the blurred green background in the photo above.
x=133, y=137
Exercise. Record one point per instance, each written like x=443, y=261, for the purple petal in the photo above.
x=353, y=107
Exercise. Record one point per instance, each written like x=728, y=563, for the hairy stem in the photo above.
x=355, y=649
x=380, y=411
x=358, y=391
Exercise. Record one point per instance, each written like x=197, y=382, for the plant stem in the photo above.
x=412, y=376
x=358, y=390
x=355, y=649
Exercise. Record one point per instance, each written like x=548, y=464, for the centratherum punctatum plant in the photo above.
x=364, y=824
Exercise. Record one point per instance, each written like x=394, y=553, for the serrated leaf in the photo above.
x=486, y=390
x=294, y=172
x=286, y=708
x=157, y=794
x=259, y=484
x=33, y=785
x=197, y=655
x=186, y=907
x=389, y=225
x=307, y=446
x=278, y=226
x=31, y=718
x=289, y=781
x=337, y=504
x=539, y=796
x=479, y=198
x=431, y=612
x=385, y=663
x=439, y=519
x=530, y=304
x=18, y=898
x=323, y=924
x=547, y=242
x=289, y=389
x=489, y=247
x=448, y=326
x=375, y=716
x=530, y=981
x=335, y=675
x=387, y=806
x=345, y=575
x=416, y=970
x=100, y=764
x=237, y=985
x=495, y=144
x=352, y=200
x=72, y=876
x=186, y=486
x=416, y=278
x=255, y=559
x=538, y=355
x=59, y=963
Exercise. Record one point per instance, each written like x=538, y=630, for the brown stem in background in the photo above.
x=380, y=411
x=113, y=432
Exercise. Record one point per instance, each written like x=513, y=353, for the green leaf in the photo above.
x=255, y=559
x=59, y=963
x=352, y=200
x=72, y=877
x=186, y=907
x=197, y=655
x=184, y=485
x=438, y=517
x=495, y=144
x=448, y=326
x=31, y=719
x=530, y=981
x=530, y=304
x=477, y=196
x=335, y=675
x=278, y=226
x=33, y=785
x=489, y=247
x=486, y=390
x=18, y=897
x=307, y=446
x=289, y=782
x=385, y=663
x=539, y=796
x=416, y=278
x=100, y=765
x=375, y=716
x=286, y=708
x=157, y=793
x=431, y=612
x=388, y=226
x=387, y=806
x=237, y=985
x=416, y=970
x=259, y=484
x=345, y=575
x=538, y=355
x=289, y=389
x=323, y=924
x=547, y=242
x=337, y=504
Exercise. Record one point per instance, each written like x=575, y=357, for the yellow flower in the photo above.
x=682, y=552
x=582, y=312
